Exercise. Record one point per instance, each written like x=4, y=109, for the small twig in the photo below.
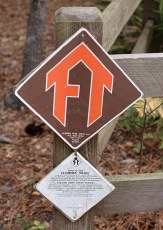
x=113, y=167
x=154, y=109
x=149, y=114
x=142, y=137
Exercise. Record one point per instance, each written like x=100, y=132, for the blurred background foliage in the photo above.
x=126, y=41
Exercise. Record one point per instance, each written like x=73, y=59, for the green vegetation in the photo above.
x=24, y=224
x=132, y=120
x=37, y=225
x=21, y=222
x=160, y=9
x=102, y=4
x=159, y=22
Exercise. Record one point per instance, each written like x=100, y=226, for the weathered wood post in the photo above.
x=68, y=21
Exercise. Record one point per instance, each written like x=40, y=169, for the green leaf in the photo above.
x=42, y=227
x=38, y=226
x=137, y=148
x=17, y=219
x=161, y=145
x=37, y=223
x=33, y=228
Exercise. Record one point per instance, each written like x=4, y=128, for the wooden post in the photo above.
x=68, y=21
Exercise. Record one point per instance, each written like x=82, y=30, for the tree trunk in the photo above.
x=33, y=45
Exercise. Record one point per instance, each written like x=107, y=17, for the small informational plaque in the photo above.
x=74, y=186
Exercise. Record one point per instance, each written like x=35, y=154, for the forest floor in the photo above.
x=27, y=159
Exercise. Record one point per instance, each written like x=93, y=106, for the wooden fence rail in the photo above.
x=114, y=18
x=145, y=70
x=133, y=192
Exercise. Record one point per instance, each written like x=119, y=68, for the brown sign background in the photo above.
x=32, y=92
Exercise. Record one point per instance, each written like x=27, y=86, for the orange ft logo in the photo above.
x=58, y=77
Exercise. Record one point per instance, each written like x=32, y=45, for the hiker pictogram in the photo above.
x=76, y=161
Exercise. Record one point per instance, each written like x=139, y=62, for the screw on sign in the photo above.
x=78, y=89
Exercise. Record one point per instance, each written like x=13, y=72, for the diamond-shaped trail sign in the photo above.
x=74, y=186
x=78, y=89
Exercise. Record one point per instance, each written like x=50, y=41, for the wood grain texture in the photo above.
x=146, y=70
x=68, y=21
x=104, y=136
x=114, y=18
x=144, y=41
x=133, y=193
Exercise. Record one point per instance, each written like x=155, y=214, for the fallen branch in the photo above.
x=5, y=140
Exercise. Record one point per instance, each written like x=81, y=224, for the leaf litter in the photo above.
x=25, y=159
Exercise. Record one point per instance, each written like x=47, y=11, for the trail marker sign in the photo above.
x=78, y=89
x=74, y=186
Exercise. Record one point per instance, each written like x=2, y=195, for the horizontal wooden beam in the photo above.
x=133, y=193
x=146, y=70
x=114, y=18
